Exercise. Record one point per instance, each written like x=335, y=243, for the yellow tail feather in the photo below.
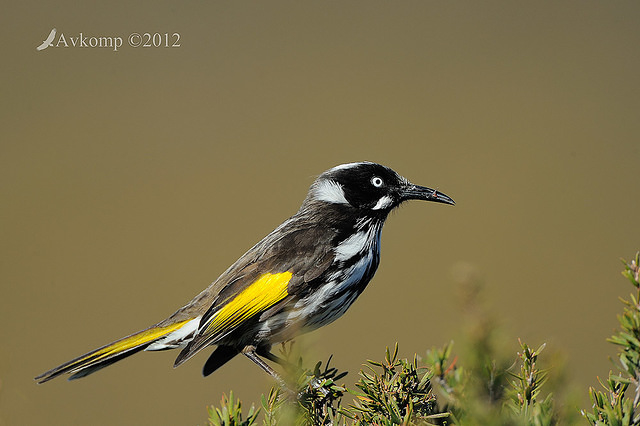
x=101, y=357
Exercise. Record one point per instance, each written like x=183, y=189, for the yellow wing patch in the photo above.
x=265, y=292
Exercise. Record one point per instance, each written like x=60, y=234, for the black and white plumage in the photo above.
x=303, y=275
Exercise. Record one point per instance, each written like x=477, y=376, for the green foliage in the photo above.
x=449, y=378
x=396, y=391
x=478, y=386
x=526, y=388
x=312, y=396
x=615, y=406
x=319, y=396
x=230, y=413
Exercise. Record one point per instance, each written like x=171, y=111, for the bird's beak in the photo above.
x=415, y=192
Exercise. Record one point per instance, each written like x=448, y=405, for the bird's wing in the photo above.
x=49, y=39
x=262, y=282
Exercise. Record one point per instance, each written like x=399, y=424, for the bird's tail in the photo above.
x=108, y=354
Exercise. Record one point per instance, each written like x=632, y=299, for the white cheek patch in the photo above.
x=330, y=191
x=383, y=203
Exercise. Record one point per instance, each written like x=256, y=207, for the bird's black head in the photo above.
x=369, y=186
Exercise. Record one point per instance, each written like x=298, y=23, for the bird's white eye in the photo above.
x=376, y=181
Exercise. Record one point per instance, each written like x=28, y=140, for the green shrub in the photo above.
x=491, y=389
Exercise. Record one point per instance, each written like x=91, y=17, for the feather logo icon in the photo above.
x=49, y=41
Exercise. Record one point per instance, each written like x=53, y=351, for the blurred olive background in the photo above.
x=131, y=179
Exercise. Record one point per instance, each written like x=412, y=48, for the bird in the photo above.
x=303, y=275
x=49, y=41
